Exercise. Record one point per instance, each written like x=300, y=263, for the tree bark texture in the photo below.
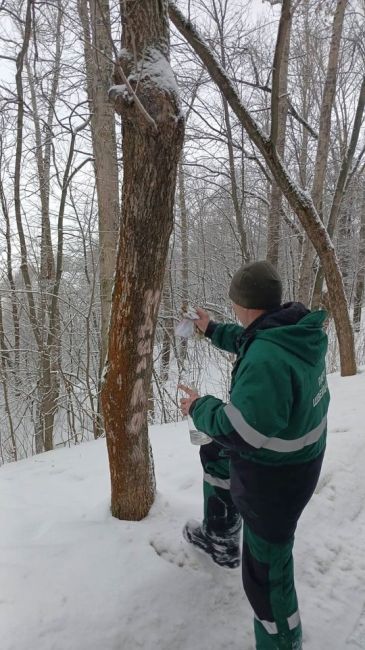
x=24, y=266
x=360, y=279
x=10, y=276
x=340, y=190
x=48, y=315
x=151, y=150
x=95, y=20
x=320, y=166
x=184, y=238
x=299, y=200
x=4, y=380
x=279, y=112
x=168, y=328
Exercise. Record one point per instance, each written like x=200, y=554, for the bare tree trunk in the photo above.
x=95, y=20
x=99, y=68
x=184, y=235
x=17, y=173
x=341, y=187
x=153, y=129
x=343, y=246
x=237, y=205
x=184, y=226
x=279, y=112
x=4, y=381
x=320, y=167
x=48, y=382
x=51, y=349
x=167, y=328
x=360, y=279
x=10, y=276
x=299, y=200
x=39, y=434
x=307, y=98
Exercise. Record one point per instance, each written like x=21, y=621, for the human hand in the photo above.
x=186, y=402
x=203, y=320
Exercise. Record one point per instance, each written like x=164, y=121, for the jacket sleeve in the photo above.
x=259, y=408
x=224, y=336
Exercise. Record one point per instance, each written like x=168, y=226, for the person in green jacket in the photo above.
x=267, y=447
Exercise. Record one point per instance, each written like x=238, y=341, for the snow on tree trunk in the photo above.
x=146, y=97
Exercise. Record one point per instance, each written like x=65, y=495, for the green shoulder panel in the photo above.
x=226, y=336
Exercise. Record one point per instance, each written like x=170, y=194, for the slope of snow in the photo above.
x=74, y=578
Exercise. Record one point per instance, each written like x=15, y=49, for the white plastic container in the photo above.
x=197, y=437
x=186, y=327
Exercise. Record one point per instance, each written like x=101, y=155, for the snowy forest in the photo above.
x=148, y=150
x=61, y=178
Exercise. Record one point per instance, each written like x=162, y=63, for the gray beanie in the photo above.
x=256, y=285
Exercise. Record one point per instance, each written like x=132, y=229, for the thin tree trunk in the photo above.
x=153, y=129
x=360, y=279
x=48, y=383
x=184, y=235
x=39, y=433
x=4, y=381
x=10, y=276
x=167, y=325
x=184, y=225
x=343, y=245
x=320, y=167
x=95, y=20
x=237, y=206
x=341, y=187
x=50, y=357
x=17, y=174
x=279, y=112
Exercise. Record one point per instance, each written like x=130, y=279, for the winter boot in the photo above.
x=224, y=551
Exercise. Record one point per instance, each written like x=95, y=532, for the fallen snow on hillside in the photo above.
x=74, y=578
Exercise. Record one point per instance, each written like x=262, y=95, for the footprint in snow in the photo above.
x=174, y=552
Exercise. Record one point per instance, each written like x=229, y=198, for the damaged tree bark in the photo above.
x=146, y=97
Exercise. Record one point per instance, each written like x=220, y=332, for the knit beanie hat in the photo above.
x=256, y=285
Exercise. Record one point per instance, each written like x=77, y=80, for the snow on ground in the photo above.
x=74, y=578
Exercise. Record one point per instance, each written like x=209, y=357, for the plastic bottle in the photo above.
x=197, y=437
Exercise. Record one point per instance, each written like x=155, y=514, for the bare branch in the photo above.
x=299, y=200
x=292, y=110
x=347, y=162
x=283, y=35
x=17, y=173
